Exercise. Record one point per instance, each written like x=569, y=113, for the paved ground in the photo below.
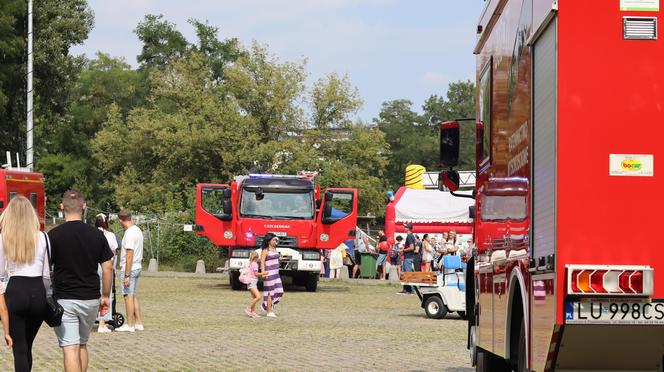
x=197, y=324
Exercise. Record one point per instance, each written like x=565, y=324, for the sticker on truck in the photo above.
x=639, y=5
x=631, y=165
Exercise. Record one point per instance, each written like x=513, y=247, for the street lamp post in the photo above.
x=29, y=150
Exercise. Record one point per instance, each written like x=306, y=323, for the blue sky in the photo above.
x=390, y=49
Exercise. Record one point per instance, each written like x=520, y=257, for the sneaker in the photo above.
x=402, y=293
x=248, y=312
x=254, y=315
x=271, y=315
x=410, y=293
x=125, y=328
x=138, y=327
x=103, y=330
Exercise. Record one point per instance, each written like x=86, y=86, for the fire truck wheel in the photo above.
x=435, y=308
x=312, y=282
x=234, y=278
x=487, y=362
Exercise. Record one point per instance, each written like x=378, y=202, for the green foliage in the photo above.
x=413, y=138
x=459, y=104
x=58, y=24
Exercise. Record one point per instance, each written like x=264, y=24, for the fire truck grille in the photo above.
x=284, y=241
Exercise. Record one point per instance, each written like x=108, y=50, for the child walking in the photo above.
x=252, y=286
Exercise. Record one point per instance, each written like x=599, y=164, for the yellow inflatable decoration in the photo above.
x=414, y=174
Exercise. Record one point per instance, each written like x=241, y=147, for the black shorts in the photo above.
x=395, y=261
x=358, y=257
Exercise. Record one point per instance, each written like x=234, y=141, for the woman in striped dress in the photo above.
x=273, y=290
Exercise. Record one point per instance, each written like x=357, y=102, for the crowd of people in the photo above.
x=412, y=253
x=64, y=277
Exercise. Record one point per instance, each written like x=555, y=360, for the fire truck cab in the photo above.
x=19, y=181
x=237, y=217
x=568, y=267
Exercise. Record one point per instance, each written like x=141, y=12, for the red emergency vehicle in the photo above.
x=568, y=264
x=237, y=216
x=15, y=181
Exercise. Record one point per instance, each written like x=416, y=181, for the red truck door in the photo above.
x=337, y=217
x=215, y=213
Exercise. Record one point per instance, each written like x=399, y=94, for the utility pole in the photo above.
x=29, y=150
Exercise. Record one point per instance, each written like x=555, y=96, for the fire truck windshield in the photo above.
x=277, y=205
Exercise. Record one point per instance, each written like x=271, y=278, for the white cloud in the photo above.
x=434, y=79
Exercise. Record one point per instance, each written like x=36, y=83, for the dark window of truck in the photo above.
x=33, y=199
x=277, y=204
x=342, y=204
x=212, y=200
x=485, y=103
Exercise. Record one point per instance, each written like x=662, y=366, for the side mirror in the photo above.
x=327, y=213
x=228, y=211
x=448, y=180
x=472, y=212
x=329, y=196
x=449, y=144
x=227, y=193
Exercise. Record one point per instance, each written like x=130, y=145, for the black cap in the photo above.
x=409, y=226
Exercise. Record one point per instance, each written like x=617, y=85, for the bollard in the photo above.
x=152, y=266
x=200, y=267
x=393, y=274
x=344, y=272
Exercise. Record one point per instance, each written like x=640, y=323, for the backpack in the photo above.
x=245, y=276
x=394, y=250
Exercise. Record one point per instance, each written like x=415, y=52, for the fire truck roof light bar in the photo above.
x=609, y=280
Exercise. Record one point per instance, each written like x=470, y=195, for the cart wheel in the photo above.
x=118, y=320
x=435, y=308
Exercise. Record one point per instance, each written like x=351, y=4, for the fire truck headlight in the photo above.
x=310, y=256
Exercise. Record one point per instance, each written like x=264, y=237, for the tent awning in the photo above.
x=431, y=206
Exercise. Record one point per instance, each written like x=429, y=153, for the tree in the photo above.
x=58, y=24
x=12, y=72
x=267, y=91
x=154, y=158
x=459, y=103
x=411, y=140
x=102, y=82
x=162, y=43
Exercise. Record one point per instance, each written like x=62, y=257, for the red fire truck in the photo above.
x=568, y=268
x=237, y=217
x=15, y=181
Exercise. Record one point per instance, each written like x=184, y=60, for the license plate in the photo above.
x=614, y=312
x=279, y=233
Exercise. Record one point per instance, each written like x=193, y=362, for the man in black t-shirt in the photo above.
x=76, y=250
x=408, y=254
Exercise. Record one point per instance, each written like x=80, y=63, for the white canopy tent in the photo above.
x=432, y=206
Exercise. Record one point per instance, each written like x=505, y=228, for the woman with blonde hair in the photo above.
x=23, y=257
